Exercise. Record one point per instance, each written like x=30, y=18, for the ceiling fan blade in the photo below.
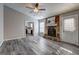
x=29, y=7
x=42, y=9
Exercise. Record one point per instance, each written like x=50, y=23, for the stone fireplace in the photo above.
x=52, y=28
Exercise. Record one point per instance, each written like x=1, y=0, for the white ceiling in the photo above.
x=51, y=9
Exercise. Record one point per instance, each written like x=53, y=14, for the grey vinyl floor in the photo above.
x=36, y=45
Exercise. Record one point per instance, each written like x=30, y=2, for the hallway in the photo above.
x=37, y=46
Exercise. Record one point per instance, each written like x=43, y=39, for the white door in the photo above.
x=70, y=29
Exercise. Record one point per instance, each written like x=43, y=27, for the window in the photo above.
x=69, y=24
x=31, y=24
x=42, y=27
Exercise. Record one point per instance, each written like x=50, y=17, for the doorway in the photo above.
x=29, y=28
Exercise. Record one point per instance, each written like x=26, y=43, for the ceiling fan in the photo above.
x=35, y=8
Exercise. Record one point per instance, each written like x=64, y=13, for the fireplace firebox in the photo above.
x=51, y=31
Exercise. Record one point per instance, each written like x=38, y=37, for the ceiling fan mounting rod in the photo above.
x=36, y=5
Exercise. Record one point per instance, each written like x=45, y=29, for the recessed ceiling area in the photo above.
x=51, y=9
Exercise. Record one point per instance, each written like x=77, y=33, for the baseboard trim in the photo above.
x=1, y=43
x=15, y=38
x=70, y=43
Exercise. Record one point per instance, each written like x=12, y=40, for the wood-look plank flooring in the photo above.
x=36, y=45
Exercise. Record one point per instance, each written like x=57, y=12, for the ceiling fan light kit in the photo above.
x=36, y=10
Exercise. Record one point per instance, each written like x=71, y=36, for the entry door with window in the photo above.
x=70, y=29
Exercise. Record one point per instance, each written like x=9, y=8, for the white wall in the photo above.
x=1, y=24
x=36, y=27
x=13, y=24
x=71, y=37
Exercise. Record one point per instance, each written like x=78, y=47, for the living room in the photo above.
x=54, y=31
